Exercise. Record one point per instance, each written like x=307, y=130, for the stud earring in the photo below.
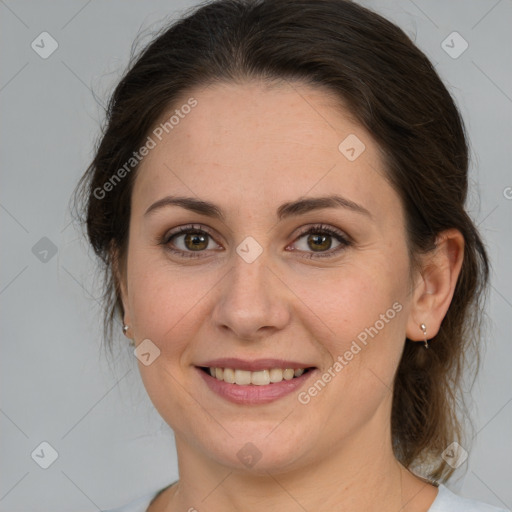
x=125, y=330
x=423, y=327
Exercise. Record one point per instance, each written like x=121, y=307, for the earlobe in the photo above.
x=435, y=289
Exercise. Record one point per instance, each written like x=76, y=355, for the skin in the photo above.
x=249, y=148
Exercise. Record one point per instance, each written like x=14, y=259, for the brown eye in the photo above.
x=195, y=241
x=319, y=240
x=187, y=240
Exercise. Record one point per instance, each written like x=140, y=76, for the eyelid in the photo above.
x=323, y=227
x=185, y=229
x=343, y=239
x=181, y=230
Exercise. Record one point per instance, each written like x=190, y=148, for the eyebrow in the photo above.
x=298, y=207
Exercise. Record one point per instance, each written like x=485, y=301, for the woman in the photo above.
x=278, y=199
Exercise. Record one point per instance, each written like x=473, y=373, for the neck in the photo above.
x=359, y=475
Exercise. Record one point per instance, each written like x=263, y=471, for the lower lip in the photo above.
x=252, y=394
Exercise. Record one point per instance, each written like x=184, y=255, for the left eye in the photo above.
x=319, y=240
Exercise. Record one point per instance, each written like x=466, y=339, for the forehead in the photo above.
x=259, y=143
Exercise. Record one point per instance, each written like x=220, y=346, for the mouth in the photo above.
x=255, y=387
x=254, y=378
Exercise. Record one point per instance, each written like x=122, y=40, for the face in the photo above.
x=267, y=281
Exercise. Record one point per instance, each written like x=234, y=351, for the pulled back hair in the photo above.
x=390, y=87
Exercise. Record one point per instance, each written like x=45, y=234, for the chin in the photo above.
x=259, y=456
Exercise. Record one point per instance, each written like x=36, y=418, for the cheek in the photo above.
x=154, y=304
x=167, y=302
x=365, y=313
x=354, y=298
x=360, y=319
x=164, y=305
x=161, y=309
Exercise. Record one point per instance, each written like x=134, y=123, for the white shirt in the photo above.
x=446, y=501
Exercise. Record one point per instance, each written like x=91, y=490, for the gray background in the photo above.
x=56, y=385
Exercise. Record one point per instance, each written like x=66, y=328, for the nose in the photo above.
x=252, y=300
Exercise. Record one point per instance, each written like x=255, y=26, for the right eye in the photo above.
x=188, y=241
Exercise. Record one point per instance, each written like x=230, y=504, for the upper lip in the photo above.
x=255, y=365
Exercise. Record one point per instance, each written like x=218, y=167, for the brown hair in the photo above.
x=392, y=89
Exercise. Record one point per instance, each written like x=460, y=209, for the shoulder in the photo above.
x=447, y=501
x=140, y=504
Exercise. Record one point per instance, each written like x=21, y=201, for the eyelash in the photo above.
x=317, y=229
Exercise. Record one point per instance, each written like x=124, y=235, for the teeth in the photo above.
x=229, y=375
x=276, y=375
x=259, y=378
x=288, y=374
x=242, y=377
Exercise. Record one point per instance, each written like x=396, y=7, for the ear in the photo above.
x=119, y=275
x=435, y=285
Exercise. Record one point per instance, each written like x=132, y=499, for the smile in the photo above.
x=258, y=378
x=245, y=387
